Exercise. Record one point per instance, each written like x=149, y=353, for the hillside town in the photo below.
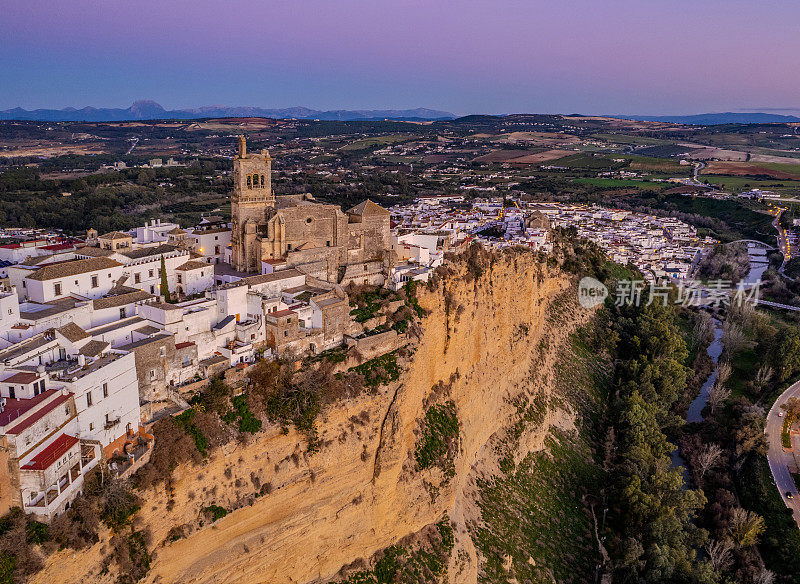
x=100, y=336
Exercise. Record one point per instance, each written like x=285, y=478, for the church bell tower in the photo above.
x=252, y=197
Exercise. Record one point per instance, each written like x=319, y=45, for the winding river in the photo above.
x=758, y=265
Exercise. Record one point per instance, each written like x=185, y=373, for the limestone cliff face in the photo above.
x=487, y=344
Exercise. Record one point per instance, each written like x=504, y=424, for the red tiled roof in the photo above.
x=21, y=377
x=184, y=345
x=59, y=447
x=281, y=313
x=17, y=407
x=58, y=246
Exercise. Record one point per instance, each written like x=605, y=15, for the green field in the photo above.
x=743, y=183
x=621, y=182
x=366, y=143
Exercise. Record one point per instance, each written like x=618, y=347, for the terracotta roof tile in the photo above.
x=72, y=268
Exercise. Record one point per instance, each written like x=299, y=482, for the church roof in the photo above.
x=367, y=207
x=115, y=235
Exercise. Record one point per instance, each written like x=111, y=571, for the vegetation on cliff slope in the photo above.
x=537, y=516
x=420, y=558
x=436, y=446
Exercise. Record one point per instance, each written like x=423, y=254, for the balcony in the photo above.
x=87, y=454
x=111, y=423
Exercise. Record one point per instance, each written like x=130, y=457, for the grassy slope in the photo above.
x=535, y=512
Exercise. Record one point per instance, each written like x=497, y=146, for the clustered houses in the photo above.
x=661, y=247
x=92, y=334
x=66, y=401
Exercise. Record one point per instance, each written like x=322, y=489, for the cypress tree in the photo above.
x=164, y=285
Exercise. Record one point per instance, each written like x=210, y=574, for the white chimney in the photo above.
x=81, y=360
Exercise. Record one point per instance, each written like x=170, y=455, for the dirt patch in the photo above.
x=749, y=169
x=542, y=157
x=54, y=149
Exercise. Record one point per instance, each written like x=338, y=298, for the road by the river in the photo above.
x=779, y=460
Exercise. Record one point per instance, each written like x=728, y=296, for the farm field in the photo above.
x=772, y=170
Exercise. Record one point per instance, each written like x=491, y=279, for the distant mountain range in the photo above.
x=150, y=110
x=716, y=119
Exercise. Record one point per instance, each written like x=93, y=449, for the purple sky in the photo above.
x=490, y=56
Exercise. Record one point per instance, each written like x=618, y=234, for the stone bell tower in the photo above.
x=252, y=197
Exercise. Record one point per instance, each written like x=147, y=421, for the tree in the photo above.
x=703, y=327
x=733, y=339
x=708, y=457
x=750, y=430
x=746, y=527
x=164, y=283
x=719, y=553
x=764, y=577
x=718, y=395
x=724, y=371
x=786, y=355
x=762, y=378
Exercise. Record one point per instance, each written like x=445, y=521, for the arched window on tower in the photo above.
x=249, y=181
x=262, y=181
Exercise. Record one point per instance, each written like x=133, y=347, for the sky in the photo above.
x=643, y=57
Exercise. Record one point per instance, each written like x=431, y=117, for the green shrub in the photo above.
x=436, y=446
x=241, y=411
x=185, y=421
x=379, y=370
x=216, y=512
x=8, y=564
x=38, y=533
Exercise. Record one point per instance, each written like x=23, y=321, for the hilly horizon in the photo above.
x=151, y=110
x=711, y=119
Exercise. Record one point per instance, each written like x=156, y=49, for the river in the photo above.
x=758, y=265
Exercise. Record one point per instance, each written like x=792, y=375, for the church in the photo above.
x=296, y=231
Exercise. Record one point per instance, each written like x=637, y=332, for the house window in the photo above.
x=285, y=333
x=150, y=274
x=122, y=312
x=66, y=409
x=152, y=374
x=163, y=351
x=95, y=283
x=91, y=426
x=152, y=289
x=105, y=390
x=137, y=278
x=12, y=392
x=57, y=288
x=179, y=278
x=89, y=399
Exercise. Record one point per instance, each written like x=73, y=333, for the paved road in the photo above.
x=779, y=460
